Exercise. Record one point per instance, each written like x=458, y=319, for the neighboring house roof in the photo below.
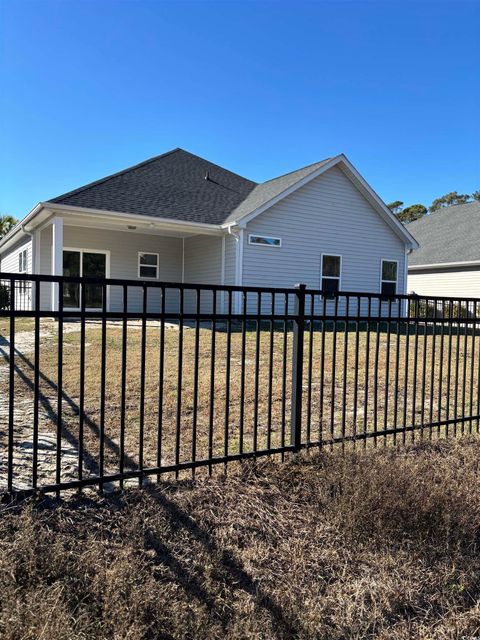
x=449, y=235
x=177, y=185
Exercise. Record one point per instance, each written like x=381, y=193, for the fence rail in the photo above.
x=144, y=378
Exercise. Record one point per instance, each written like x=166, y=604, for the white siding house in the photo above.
x=447, y=264
x=179, y=218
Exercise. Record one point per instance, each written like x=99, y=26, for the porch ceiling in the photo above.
x=130, y=223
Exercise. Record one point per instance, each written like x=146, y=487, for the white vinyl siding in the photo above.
x=230, y=259
x=463, y=283
x=10, y=261
x=330, y=216
x=203, y=265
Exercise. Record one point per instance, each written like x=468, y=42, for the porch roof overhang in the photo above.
x=43, y=211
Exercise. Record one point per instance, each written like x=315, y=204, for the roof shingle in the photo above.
x=176, y=185
x=451, y=234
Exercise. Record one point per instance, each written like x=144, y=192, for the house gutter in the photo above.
x=444, y=265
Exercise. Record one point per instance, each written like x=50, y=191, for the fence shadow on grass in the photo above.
x=226, y=569
x=91, y=465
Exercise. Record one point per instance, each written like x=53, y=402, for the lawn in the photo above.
x=428, y=388
x=379, y=544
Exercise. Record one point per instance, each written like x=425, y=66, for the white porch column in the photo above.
x=57, y=257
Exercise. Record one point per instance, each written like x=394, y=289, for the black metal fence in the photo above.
x=168, y=377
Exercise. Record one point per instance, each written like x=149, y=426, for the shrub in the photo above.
x=4, y=296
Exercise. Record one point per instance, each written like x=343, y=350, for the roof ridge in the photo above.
x=114, y=175
x=283, y=175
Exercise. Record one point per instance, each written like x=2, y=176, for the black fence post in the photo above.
x=297, y=367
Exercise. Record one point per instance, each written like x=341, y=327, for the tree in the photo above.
x=395, y=207
x=448, y=200
x=6, y=223
x=476, y=195
x=414, y=212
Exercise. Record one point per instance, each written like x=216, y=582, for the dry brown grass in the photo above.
x=324, y=423
x=376, y=544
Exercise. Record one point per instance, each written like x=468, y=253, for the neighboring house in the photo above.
x=179, y=218
x=448, y=260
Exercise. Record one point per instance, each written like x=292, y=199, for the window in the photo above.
x=331, y=274
x=22, y=261
x=265, y=241
x=147, y=265
x=389, y=277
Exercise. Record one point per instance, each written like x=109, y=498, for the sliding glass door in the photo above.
x=88, y=264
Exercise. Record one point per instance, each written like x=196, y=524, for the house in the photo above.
x=180, y=218
x=448, y=260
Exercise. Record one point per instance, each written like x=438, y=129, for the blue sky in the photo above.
x=91, y=87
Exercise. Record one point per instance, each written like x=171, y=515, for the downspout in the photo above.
x=33, y=259
x=222, y=274
x=183, y=260
x=34, y=248
x=408, y=251
x=238, y=264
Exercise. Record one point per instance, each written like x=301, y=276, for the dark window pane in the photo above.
x=389, y=270
x=330, y=285
x=271, y=242
x=148, y=259
x=148, y=272
x=71, y=267
x=94, y=266
x=389, y=288
x=331, y=266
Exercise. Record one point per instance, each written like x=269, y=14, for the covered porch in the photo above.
x=86, y=245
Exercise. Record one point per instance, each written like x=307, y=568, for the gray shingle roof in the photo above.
x=174, y=185
x=448, y=235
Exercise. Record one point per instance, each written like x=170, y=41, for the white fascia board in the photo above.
x=443, y=265
x=147, y=221
x=357, y=179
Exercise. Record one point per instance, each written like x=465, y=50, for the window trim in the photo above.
x=339, y=278
x=23, y=252
x=157, y=266
x=260, y=244
x=382, y=260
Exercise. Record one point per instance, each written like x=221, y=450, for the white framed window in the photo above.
x=264, y=241
x=148, y=265
x=330, y=273
x=23, y=261
x=389, y=277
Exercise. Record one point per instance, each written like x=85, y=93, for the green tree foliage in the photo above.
x=414, y=212
x=395, y=207
x=448, y=200
x=476, y=195
x=6, y=223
